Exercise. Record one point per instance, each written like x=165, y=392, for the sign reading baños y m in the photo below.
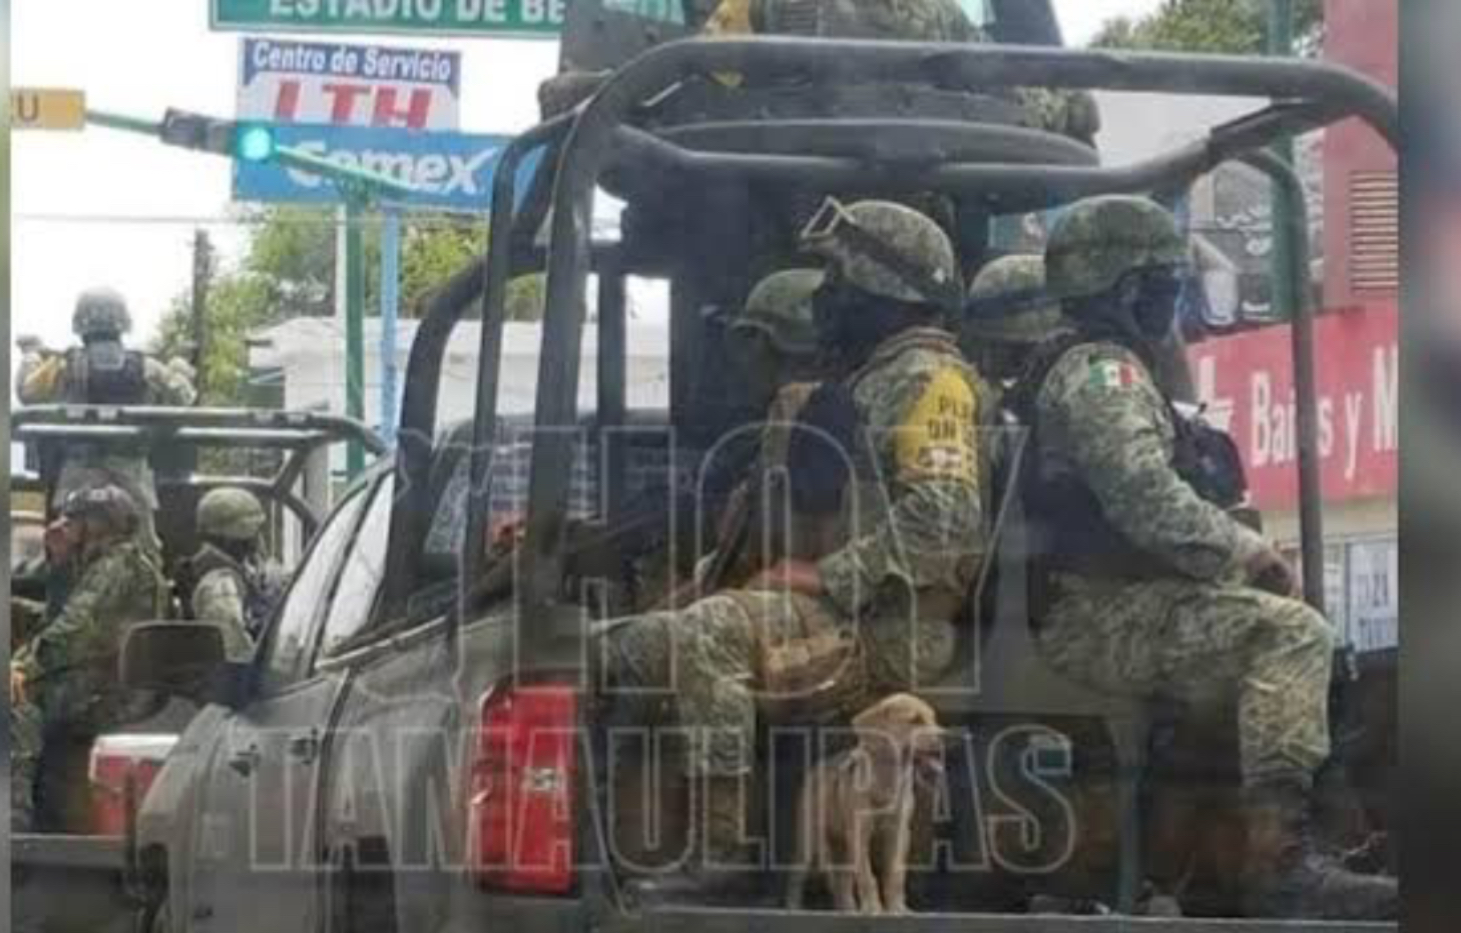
x=452, y=171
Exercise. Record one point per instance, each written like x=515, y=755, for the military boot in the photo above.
x=719, y=869
x=1286, y=875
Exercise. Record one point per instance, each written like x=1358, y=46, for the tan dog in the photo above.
x=856, y=808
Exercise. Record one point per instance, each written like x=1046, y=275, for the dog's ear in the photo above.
x=880, y=734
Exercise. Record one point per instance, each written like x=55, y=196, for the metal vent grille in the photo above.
x=1374, y=232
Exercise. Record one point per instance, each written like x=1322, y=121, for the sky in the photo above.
x=105, y=207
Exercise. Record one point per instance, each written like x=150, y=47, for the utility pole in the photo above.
x=1284, y=300
x=202, y=277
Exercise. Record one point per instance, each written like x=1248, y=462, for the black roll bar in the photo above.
x=501, y=240
x=1306, y=416
x=1009, y=188
x=411, y=511
x=595, y=140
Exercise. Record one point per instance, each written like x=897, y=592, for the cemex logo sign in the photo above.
x=348, y=85
x=453, y=171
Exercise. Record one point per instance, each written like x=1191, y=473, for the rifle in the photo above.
x=596, y=550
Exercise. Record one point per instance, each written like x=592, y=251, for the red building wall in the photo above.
x=1361, y=231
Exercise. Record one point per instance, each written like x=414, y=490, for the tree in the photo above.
x=1238, y=27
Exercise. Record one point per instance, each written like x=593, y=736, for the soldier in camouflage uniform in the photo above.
x=817, y=639
x=1069, y=113
x=102, y=372
x=234, y=585
x=1153, y=590
x=63, y=680
x=774, y=342
x=1010, y=313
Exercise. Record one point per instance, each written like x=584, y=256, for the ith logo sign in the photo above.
x=349, y=104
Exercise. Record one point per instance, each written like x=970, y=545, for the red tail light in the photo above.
x=520, y=812
x=118, y=761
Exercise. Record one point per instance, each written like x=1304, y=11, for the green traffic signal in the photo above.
x=253, y=142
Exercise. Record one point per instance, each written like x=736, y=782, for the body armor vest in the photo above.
x=260, y=592
x=106, y=374
x=1068, y=527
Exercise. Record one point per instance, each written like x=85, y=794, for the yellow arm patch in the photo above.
x=731, y=18
x=937, y=439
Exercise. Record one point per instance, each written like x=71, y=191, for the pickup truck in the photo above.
x=79, y=843
x=418, y=744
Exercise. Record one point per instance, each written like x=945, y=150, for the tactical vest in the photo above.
x=1068, y=529
x=259, y=591
x=106, y=374
x=771, y=529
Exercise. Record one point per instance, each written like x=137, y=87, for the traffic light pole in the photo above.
x=390, y=280
x=355, y=204
x=1284, y=300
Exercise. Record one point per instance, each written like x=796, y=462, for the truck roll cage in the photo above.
x=599, y=137
x=297, y=434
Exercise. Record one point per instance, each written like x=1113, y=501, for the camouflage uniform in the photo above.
x=224, y=594
x=779, y=309
x=45, y=377
x=1069, y=113
x=1194, y=629
x=70, y=665
x=926, y=542
x=1151, y=586
x=1012, y=315
x=236, y=593
x=911, y=543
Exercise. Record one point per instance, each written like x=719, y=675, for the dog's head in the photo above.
x=904, y=727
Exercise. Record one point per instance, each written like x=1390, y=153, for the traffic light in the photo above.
x=253, y=142
x=248, y=142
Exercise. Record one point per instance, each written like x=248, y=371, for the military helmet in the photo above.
x=108, y=502
x=780, y=306
x=886, y=249
x=1019, y=309
x=230, y=513
x=1099, y=240
x=100, y=312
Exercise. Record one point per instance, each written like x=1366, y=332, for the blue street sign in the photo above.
x=453, y=171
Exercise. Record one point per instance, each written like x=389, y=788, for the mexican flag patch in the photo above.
x=1111, y=374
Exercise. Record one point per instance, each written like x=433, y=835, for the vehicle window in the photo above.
x=290, y=638
x=360, y=579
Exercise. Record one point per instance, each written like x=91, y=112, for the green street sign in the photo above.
x=520, y=18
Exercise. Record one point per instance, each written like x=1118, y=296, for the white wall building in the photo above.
x=307, y=355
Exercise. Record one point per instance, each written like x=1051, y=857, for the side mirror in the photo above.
x=182, y=659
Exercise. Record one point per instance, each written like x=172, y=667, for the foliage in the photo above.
x=1237, y=27
x=288, y=271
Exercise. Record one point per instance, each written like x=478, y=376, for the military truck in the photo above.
x=71, y=869
x=418, y=744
